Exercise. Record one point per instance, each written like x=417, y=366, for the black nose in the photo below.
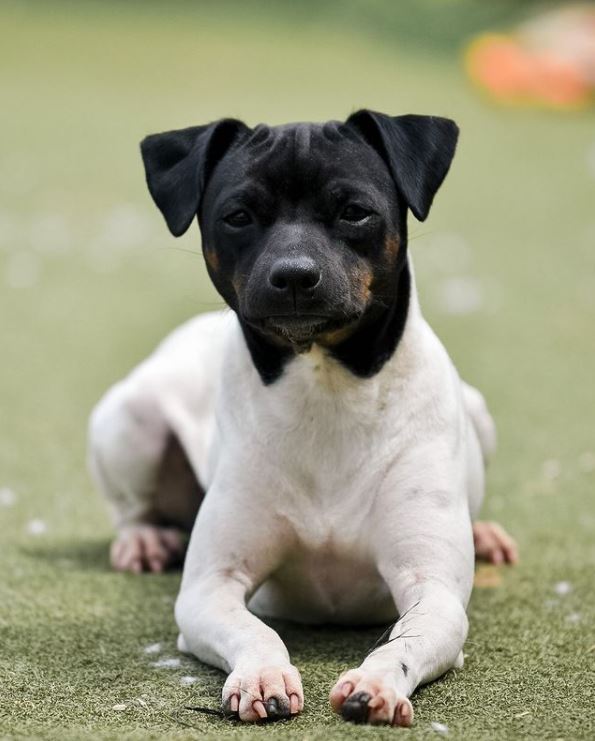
x=298, y=273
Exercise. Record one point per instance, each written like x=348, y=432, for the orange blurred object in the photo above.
x=548, y=62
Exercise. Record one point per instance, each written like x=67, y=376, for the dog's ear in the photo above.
x=417, y=149
x=178, y=164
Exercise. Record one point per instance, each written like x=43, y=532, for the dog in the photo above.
x=316, y=439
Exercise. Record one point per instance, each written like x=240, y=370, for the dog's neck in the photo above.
x=364, y=353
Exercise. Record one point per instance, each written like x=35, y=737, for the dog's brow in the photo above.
x=250, y=194
x=338, y=189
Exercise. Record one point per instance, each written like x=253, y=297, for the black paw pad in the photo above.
x=276, y=708
x=355, y=708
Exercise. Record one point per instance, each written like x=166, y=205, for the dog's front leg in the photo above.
x=424, y=551
x=235, y=546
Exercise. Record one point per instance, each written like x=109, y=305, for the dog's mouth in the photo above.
x=301, y=330
x=297, y=328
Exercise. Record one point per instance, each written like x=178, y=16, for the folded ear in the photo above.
x=178, y=164
x=417, y=149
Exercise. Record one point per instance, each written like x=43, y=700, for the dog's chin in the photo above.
x=301, y=331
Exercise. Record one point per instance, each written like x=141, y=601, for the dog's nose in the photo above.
x=298, y=273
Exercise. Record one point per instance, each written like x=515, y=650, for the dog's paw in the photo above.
x=494, y=544
x=371, y=697
x=267, y=693
x=147, y=548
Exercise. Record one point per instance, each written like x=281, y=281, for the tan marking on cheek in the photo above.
x=361, y=282
x=363, y=278
x=212, y=259
x=391, y=246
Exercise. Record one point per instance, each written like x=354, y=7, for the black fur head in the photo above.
x=304, y=226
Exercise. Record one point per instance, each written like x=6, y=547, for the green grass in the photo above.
x=90, y=281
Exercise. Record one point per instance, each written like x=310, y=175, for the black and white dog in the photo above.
x=340, y=456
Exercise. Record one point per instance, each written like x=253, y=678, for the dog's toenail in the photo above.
x=355, y=708
x=228, y=712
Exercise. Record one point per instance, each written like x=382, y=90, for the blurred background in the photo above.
x=91, y=280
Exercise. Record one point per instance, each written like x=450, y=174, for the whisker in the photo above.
x=428, y=233
x=217, y=712
x=384, y=639
x=179, y=249
x=206, y=711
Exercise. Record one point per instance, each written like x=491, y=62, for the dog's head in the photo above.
x=304, y=225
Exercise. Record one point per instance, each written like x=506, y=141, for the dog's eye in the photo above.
x=238, y=218
x=355, y=214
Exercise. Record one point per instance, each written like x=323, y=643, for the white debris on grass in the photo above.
x=439, y=727
x=120, y=706
x=124, y=228
x=50, y=233
x=166, y=663
x=187, y=681
x=586, y=462
x=126, y=225
x=444, y=252
x=573, y=618
x=22, y=270
x=152, y=648
x=563, y=588
x=102, y=259
x=460, y=295
x=522, y=715
x=551, y=469
x=7, y=497
x=36, y=527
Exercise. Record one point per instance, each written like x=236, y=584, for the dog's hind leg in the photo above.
x=492, y=542
x=141, y=469
x=482, y=420
x=149, y=444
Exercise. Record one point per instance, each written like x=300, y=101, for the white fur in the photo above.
x=329, y=497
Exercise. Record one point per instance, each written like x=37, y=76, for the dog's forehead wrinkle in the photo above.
x=303, y=136
x=260, y=135
x=250, y=191
x=332, y=130
x=301, y=160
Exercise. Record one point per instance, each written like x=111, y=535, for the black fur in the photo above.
x=268, y=358
x=417, y=149
x=304, y=226
x=177, y=165
x=372, y=344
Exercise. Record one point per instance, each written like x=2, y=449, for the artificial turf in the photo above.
x=90, y=281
